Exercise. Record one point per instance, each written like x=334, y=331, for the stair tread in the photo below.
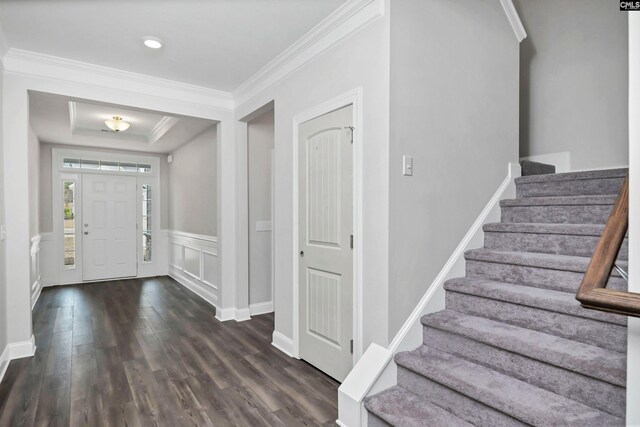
x=561, y=201
x=400, y=407
x=516, y=398
x=545, y=228
x=535, y=259
x=546, y=299
x=596, y=362
x=573, y=176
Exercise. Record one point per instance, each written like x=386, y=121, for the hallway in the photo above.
x=147, y=352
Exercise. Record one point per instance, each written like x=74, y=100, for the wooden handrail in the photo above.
x=592, y=292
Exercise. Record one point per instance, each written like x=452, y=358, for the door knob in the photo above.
x=302, y=254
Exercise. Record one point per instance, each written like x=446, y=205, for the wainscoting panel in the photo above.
x=36, y=276
x=193, y=262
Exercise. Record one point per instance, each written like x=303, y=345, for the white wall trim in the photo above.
x=282, y=343
x=354, y=98
x=48, y=66
x=192, y=284
x=201, y=238
x=261, y=308
x=36, y=269
x=242, y=314
x=514, y=19
x=19, y=350
x=344, y=21
x=200, y=278
x=225, y=314
x=378, y=367
x=4, y=362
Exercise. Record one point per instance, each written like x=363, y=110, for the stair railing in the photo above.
x=593, y=293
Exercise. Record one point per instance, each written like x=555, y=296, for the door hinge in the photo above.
x=351, y=346
x=351, y=241
x=351, y=128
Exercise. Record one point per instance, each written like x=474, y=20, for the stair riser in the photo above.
x=589, y=391
x=588, y=331
x=581, y=187
x=560, y=244
x=462, y=406
x=557, y=280
x=373, y=421
x=578, y=214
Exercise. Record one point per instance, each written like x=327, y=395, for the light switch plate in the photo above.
x=3, y=232
x=263, y=225
x=407, y=165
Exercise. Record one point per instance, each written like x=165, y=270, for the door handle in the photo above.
x=301, y=254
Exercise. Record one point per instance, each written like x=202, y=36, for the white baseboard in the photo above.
x=282, y=343
x=190, y=284
x=242, y=314
x=18, y=350
x=225, y=314
x=4, y=362
x=378, y=370
x=261, y=308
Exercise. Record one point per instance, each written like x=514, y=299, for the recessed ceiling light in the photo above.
x=152, y=42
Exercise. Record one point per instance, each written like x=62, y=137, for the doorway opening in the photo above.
x=260, y=183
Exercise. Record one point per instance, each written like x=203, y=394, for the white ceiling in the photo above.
x=214, y=43
x=62, y=120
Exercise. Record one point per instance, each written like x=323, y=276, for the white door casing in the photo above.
x=325, y=238
x=109, y=218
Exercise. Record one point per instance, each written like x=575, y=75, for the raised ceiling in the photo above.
x=62, y=120
x=215, y=43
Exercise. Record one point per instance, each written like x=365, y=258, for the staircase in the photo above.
x=513, y=346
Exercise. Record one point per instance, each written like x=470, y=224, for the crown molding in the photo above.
x=47, y=66
x=162, y=127
x=344, y=21
x=514, y=19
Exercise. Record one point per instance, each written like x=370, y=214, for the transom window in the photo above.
x=106, y=165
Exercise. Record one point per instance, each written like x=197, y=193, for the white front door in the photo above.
x=326, y=228
x=108, y=227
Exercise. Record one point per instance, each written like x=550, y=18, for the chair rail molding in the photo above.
x=343, y=22
x=514, y=19
x=378, y=371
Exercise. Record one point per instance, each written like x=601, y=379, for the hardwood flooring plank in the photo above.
x=150, y=353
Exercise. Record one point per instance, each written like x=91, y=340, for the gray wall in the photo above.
x=260, y=142
x=34, y=184
x=45, y=200
x=192, y=185
x=574, y=88
x=454, y=108
x=3, y=205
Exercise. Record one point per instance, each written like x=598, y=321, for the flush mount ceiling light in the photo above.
x=152, y=42
x=116, y=124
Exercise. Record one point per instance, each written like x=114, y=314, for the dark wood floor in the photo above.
x=150, y=353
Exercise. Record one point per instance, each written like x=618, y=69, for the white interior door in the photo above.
x=326, y=227
x=108, y=227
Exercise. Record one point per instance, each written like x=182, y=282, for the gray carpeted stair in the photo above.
x=513, y=346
